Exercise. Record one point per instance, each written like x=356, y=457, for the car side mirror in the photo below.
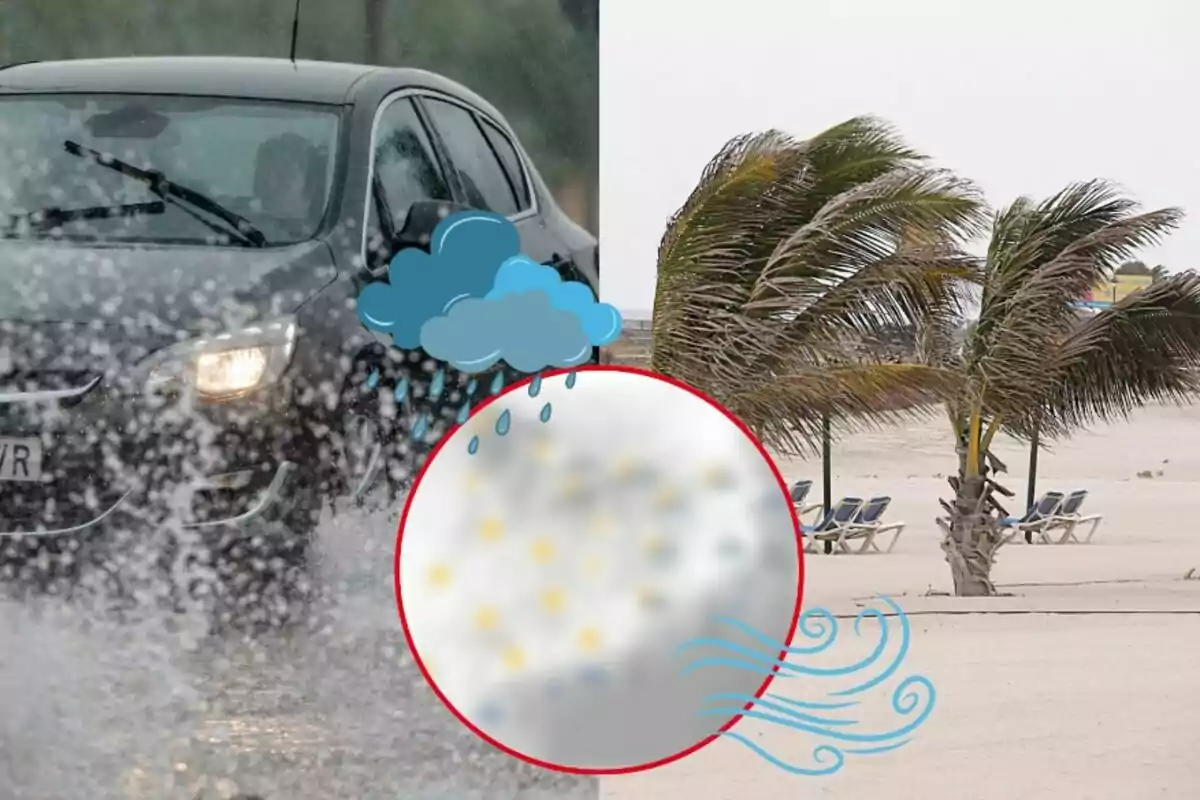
x=422, y=217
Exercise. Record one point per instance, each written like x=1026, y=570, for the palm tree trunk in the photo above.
x=973, y=533
x=970, y=544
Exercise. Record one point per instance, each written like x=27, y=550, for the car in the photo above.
x=182, y=241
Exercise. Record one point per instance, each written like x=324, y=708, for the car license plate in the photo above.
x=20, y=459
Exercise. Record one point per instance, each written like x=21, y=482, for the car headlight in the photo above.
x=227, y=365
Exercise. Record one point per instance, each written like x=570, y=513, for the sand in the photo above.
x=1085, y=683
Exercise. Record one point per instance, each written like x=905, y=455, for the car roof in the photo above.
x=219, y=76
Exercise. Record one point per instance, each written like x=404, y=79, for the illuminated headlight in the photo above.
x=231, y=371
x=228, y=365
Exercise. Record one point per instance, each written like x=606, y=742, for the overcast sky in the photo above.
x=1022, y=96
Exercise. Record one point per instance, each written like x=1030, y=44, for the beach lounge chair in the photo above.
x=1036, y=519
x=837, y=520
x=869, y=524
x=1067, y=518
x=800, y=490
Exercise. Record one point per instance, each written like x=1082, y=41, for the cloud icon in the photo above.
x=465, y=253
x=520, y=274
x=524, y=330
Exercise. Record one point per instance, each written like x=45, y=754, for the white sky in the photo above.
x=1022, y=96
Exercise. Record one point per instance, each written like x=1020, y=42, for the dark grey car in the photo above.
x=181, y=244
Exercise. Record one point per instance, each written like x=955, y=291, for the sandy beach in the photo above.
x=1084, y=683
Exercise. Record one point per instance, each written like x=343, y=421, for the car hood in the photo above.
x=171, y=288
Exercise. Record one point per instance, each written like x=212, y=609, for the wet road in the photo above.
x=157, y=707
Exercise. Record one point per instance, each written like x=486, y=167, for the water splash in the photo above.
x=401, y=393
x=824, y=720
x=503, y=423
x=420, y=426
x=571, y=378
x=373, y=379
x=535, y=386
x=473, y=445
x=463, y=413
x=437, y=385
x=546, y=412
x=497, y=383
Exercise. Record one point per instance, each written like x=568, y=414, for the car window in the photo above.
x=406, y=168
x=271, y=163
x=479, y=170
x=404, y=160
x=503, y=147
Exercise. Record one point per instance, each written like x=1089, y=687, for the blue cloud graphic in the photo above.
x=465, y=253
x=525, y=330
x=520, y=274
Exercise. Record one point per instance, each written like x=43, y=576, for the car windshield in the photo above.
x=148, y=168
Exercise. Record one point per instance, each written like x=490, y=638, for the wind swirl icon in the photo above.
x=833, y=721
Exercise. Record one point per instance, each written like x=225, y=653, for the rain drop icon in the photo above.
x=504, y=423
x=438, y=384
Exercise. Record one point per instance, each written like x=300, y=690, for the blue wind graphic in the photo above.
x=831, y=721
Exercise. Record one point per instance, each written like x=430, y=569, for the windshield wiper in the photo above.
x=160, y=185
x=51, y=217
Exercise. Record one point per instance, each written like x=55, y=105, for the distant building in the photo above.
x=1117, y=289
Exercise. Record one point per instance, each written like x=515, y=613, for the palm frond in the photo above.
x=789, y=410
x=1144, y=348
x=789, y=251
x=1042, y=260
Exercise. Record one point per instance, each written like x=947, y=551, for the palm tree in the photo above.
x=1032, y=363
x=788, y=255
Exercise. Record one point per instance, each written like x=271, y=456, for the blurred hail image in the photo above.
x=625, y=525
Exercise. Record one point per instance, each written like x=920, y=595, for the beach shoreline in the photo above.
x=1082, y=681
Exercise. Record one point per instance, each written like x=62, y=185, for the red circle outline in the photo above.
x=421, y=664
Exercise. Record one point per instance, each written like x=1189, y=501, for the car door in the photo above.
x=405, y=167
x=490, y=174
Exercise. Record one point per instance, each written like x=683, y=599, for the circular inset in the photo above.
x=558, y=549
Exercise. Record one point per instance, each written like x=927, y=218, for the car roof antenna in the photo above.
x=295, y=30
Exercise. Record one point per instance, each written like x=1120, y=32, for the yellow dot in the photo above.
x=543, y=550
x=572, y=487
x=514, y=657
x=602, y=523
x=472, y=481
x=626, y=467
x=654, y=545
x=491, y=529
x=440, y=575
x=667, y=497
x=647, y=596
x=594, y=566
x=553, y=600
x=486, y=618
x=717, y=476
x=543, y=448
x=589, y=639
